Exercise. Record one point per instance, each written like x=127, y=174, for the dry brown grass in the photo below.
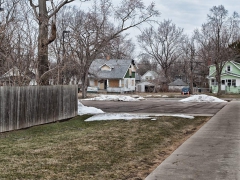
x=76, y=149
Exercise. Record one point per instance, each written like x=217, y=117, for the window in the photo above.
x=148, y=77
x=213, y=82
x=229, y=82
x=228, y=68
x=233, y=82
x=223, y=82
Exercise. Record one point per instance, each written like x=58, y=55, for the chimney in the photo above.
x=209, y=62
x=108, y=57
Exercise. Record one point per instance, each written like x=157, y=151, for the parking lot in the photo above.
x=158, y=105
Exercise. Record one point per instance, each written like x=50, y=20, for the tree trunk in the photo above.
x=218, y=79
x=43, y=43
x=84, y=84
x=166, y=75
x=191, y=83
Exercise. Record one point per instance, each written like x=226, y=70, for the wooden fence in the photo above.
x=22, y=107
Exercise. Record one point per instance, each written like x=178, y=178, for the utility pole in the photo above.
x=64, y=51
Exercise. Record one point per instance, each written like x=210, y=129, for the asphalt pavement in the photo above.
x=212, y=153
x=158, y=106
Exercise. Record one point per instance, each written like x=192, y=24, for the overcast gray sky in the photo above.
x=187, y=14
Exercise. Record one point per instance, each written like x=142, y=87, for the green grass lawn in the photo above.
x=98, y=150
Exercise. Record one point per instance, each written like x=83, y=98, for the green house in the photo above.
x=230, y=78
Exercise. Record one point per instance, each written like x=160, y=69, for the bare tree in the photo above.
x=189, y=55
x=45, y=15
x=93, y=31
x=146, y=64
x=8, y=20
x=163, y=44
x=215, y=37
x=119, y=48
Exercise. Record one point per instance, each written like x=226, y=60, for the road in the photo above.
x=157, y=105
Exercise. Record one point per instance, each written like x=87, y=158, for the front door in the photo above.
x=105, y=84
x=223, y=85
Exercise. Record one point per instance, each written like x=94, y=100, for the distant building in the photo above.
x=113, y=75
x=176, y=85
x=230, y=78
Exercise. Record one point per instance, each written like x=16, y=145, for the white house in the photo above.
x=113, y=75
x=149, y=75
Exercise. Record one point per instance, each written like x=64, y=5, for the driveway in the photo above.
x=158, y=106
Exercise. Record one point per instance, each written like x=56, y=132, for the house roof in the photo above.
x=236, y=64
x=16, y=72
x=153, y=73
x=178, y=82
x=118, y=71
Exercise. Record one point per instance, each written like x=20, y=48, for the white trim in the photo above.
x=106, y=65
x=212, y=73
x=229, y=74
x=235, y=65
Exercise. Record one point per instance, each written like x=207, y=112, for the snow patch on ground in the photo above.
x=202, y=98
x=115, y=116
x=176, y=115
x=87, y=110
x=114, y=98
x=126, y=116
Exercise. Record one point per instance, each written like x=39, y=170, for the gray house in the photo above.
x=113, y=75
x=178, y=84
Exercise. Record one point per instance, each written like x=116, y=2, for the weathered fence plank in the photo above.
x=22, y=107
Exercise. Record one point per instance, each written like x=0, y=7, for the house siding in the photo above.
x=128, y=76
x=129, y=84
x=212, y=69
x=234, y=69
x=105, y=68
x=150, y=75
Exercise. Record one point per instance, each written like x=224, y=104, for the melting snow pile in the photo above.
x=115, y=116
x=182, y=116
x=126, y=116
x=202, y=98
x=114, y=98
x=87, y=110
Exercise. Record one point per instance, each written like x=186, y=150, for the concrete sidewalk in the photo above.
x=212, y=153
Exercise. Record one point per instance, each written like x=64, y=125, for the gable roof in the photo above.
x=153, y=73
x=118, y=72
x=14, y=71
x=178, y=82
x=235, y=64
x=106, y=65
